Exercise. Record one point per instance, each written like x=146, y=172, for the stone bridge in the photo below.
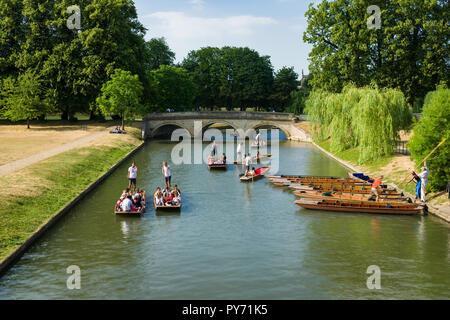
x=197, y=122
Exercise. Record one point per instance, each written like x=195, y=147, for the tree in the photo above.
x=284, y=83
x=171, y=87
x=204, y=66
x=365, y=118
x=245, y=78
x=410, y=51
x=121, y=95
x=298, y=97
x=429, y=132
x=158, y=53
x=23, y=98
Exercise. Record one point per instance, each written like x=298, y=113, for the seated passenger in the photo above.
x=167, y=196
x=137, y=203
x=126, y=204
x=176, y=195
x=224, y=158
x=251, y=172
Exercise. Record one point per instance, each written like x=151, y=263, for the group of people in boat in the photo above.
x=167, y=197
x=214, y=160
x=131, y=201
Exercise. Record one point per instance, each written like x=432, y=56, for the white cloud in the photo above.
x=185, y=32
x=178, y=25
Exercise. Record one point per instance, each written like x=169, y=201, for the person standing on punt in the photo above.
x=239, y=152
x=132, y=175
x=375, y=186
x=166, y=172
x=424, y=181
x=214, y=149
x=247, y=162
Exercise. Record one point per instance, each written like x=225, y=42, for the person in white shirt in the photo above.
x=126, y=204
x=247, y=162
x=132, y=175
x=424, y=178
x=166, y=172
x=239, y=152
x=257, y=138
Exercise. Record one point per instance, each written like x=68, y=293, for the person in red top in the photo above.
x=375, y=186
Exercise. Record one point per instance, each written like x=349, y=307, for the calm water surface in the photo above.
x=232, y=241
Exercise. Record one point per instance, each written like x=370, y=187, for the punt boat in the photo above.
x=167, y=207
x=130, y=213
x=359, y=207
x=259, y=173
x=347, y=197
x=215, y=166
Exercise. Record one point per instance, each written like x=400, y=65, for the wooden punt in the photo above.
x=351, y=198
x=346, y=196
x=167, y=208
x=333, y=188
x=312, y=182
x=256, y=176
x=130, y=213
x=215, y=166
x=362, y=207
x=255, y=159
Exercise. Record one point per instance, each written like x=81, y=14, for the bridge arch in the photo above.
x=272, y=124
x=155, y=130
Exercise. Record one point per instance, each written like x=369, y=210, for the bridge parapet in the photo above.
x=230, y=115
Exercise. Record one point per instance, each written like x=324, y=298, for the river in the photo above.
x=232, y=240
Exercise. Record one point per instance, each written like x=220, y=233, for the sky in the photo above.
x=271, y=27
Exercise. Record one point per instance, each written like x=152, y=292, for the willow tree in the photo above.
x=367, y=118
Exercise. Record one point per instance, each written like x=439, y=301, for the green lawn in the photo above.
x=57, y=181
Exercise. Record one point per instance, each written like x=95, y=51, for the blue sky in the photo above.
x=272, y=27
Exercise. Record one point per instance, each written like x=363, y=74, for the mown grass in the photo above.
x=56, y=181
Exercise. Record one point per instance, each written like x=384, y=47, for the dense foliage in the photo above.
x=410, y=51
x=367, y=118
x=431, y=129
x=120, y=95
x=172, y=88
x=238, y=77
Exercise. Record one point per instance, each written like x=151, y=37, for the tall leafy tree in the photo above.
x=172, y=88
x=410, y=51
x=431, y=129
x=284, y=83
x=121, y=95
x=204, y=66
x=24, y=98
x=158, y=53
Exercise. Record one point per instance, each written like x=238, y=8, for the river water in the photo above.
x=232, y=240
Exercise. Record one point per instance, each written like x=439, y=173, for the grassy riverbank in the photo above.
x=33, y=195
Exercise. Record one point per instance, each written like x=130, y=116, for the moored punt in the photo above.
x=138, y=213
x=314, y=194
x=252, y=177
x=350, y=198
x=362, y=207
x=331, y=188
x=309, y=181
